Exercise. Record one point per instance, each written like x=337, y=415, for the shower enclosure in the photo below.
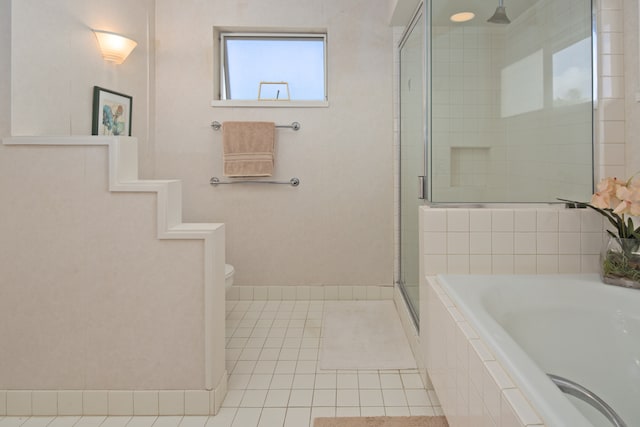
x=412, y=154
x=505, y=110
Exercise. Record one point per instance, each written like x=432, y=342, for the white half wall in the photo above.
x=102, y=286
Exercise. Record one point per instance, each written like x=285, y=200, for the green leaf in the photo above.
x=629, y=230
x=614, y=219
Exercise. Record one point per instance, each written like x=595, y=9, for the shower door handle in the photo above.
x=421, y=187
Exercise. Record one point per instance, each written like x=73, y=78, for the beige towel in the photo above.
x=248, y=148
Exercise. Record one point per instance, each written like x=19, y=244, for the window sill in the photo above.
x=268, y=104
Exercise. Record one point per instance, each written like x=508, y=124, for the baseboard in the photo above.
x=112, y=402
x=314, y=293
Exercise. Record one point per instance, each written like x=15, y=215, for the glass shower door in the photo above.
x=511, y=102
x=412, y=156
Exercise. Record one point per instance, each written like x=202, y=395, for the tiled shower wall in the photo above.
x=609, y=136
x=545, y=240
x=609, y=115
x=510, y=241
x=484, y=133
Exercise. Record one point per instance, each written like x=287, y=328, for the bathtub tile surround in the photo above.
x=508, y=241
x=474, y=389
x=491, y=341
x=545, y=240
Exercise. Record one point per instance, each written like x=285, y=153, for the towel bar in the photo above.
x=294, y=182
x=295, y=125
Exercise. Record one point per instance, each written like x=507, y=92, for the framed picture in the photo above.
x=111, y=113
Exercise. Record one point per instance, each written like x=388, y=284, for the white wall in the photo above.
x=56, y=62
x=337, y=227
x=5, y=67
x=87, y=286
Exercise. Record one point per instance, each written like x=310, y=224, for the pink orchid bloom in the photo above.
x=619, y=198
x=634, y=188
x=630, y=200
x=605, y=197
x=609, y=185
x=603, y=185
x=624, y=193
x=622, y=207
x=601, y=200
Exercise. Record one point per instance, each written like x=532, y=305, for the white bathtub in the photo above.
x=569, y=325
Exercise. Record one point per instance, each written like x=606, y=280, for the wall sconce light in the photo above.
x=114, y=47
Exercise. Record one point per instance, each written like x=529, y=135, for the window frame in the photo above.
x=222, y=81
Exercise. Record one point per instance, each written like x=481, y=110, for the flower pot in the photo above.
x=620, y=262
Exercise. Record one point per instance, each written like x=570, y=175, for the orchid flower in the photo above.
x=614, y=199
x=601, y=200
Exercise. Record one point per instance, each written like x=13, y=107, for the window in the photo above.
x=523, y=85
x=269, y=66
x=572, y=74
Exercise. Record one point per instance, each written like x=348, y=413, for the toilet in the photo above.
x=228, y=275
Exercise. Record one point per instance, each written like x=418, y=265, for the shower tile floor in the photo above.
x=273, y=350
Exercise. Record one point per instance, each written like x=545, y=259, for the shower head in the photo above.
x=500, y=15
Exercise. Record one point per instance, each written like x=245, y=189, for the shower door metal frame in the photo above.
x=420, y=12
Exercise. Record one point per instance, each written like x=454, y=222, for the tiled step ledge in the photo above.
x=112, y=402
x=314, y=293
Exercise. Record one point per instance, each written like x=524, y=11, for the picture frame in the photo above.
x=112, y=113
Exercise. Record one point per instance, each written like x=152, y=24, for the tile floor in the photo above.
x=275, y=379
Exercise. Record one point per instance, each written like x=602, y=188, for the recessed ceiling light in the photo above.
x=462, y=16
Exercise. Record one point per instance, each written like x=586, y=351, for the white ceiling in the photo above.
x=402, y=10
x=484, y=9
